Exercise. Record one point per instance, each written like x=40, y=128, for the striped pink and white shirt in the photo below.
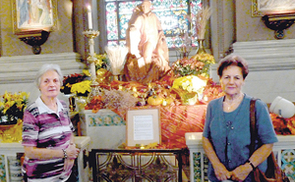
x=44, y=128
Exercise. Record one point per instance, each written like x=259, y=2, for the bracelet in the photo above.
x=65, y=153
x=253, y=167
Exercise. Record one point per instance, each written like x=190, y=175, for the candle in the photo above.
x=91, y=49
x=89, y=17
x=92, y=71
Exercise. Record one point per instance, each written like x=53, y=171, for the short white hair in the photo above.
x=48, y=67
x=146, y=1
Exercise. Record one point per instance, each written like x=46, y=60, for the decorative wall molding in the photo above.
x=268, y=55
x=271, y=65
x=22, y=69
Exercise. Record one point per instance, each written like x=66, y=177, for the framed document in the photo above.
x=34, y=15
x=143, y=127
x=268, y=7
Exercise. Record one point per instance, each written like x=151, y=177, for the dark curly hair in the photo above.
x=233, y=60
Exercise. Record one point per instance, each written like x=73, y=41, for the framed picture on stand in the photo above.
x=143, y=127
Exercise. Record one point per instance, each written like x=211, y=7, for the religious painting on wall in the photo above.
x=263, y=7
x=30, y=15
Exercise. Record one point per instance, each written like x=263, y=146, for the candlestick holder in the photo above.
x=91, y=34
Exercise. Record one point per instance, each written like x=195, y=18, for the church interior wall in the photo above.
x=232, y=22
x=18, y=63
x=251, y=28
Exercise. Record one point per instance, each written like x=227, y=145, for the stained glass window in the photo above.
x=172, y=14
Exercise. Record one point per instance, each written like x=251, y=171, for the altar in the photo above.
x=107, y=129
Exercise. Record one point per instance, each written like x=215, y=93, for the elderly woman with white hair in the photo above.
x=48, y=138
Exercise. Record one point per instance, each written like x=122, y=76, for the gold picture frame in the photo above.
x=270, y=7
x=143, y=127
x=34, y=16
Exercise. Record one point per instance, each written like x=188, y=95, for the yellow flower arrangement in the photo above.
x=190, y=84
x=189, y=88
x=81, y=88
x=12, y=107
x=70, y=80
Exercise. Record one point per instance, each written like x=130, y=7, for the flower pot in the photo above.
x=6, y=127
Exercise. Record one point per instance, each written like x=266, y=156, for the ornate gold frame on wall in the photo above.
x=277, y=15
x=32, y=23
x=272, y=7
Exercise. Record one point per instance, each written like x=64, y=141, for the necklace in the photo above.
x=229, y=106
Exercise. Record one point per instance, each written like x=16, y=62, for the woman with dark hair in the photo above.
x=226, y=137
x=48, y=138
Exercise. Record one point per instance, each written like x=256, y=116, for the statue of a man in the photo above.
x=148, y=58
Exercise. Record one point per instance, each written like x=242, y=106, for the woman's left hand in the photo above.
x=241, y=172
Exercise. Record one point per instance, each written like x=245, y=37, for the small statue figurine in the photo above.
x=148, y=56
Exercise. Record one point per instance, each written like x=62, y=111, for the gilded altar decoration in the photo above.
x=189, y=88
x=101, y=61
x=101, y=67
